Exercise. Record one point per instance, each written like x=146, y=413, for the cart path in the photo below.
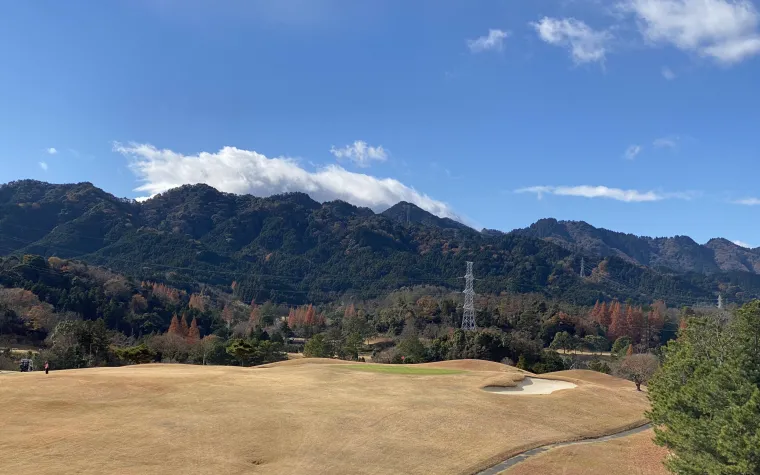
x=521, y=457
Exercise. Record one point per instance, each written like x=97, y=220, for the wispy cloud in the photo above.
x=665, y=142
x=494, y=40
x=585, y=44
x=51, y=151
x=632, y=151
x=243, y=171
x=724, y=30
x=742, y=244
x=44, y=166
x=360, y=153
x=668, y=73
x=748, y=201
x=586, y=191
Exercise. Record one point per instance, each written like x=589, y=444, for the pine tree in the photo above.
x=706, y=397
x=193, y=333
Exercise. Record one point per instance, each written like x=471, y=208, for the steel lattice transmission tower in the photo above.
x=468, y=320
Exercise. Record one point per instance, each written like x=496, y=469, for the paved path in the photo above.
x=521, y=457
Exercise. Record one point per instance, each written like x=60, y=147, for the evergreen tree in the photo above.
x=706, y=398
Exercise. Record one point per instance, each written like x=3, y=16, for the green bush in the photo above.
x=600, y=366
x=317, y=347
x=139, y=354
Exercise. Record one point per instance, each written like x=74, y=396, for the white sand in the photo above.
x=530, y=386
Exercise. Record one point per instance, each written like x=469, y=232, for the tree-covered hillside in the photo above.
x=290, y=248
x=679, y=253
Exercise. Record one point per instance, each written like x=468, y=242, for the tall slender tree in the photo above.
x=193, y=333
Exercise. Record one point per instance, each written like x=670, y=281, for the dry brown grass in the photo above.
x=507, y=380
x=634, y=455
x=289, y=418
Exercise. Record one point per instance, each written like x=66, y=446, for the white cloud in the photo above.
x=360, y=153
x=724, y=30
x=742, y=244
x=242, y=171
x=585, y=191
x=44, y=166
x=632, y=151
x=51, y=151
x=586, y=45
x=666, y=142
x=493, y=41
x=668, y=73
x=748, y=202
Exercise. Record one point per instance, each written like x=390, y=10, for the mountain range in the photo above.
x=291, y=248
x=679, y=253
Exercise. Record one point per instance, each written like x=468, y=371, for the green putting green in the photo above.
x=400, y=369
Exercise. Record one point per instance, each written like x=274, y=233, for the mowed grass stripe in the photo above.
x=403, y=369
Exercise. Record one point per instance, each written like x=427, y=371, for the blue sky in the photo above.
x=636, y=115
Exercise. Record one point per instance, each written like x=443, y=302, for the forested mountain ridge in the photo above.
x=679, y=253
x=290, y=248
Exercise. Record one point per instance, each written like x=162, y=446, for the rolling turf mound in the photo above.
x=304, y=361
x=472, y=365
x=289, y=418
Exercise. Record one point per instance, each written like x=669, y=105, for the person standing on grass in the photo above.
x=47, y=367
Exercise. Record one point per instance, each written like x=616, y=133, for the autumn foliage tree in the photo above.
x=618, y=325
x=183, y=324
x=197, y=302
x=174, y=327
x=193, y=333
x=254, y=319
x=305, y=318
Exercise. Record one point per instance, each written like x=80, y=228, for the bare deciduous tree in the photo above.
x=639, y=368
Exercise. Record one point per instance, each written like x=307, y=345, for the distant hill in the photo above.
x=679, y=253
x=290, y=248
x=404, y=212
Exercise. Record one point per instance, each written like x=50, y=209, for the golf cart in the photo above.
x=26, y=365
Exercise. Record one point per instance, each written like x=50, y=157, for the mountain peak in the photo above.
x=403, y=212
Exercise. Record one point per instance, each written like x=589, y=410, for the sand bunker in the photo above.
x=530, y=386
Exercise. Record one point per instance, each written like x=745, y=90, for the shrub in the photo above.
x=600, y=366
x=139, y=354
x=620, y=346
x=317, y=347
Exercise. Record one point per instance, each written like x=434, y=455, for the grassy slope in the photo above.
x=286, y=419
x=634, y=455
